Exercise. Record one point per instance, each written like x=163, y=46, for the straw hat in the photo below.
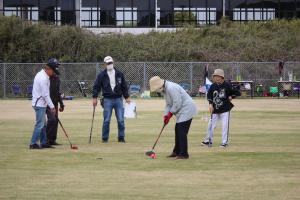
x=155, y=83
x=218, y=72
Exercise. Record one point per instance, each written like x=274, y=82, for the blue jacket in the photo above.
x=102, y=83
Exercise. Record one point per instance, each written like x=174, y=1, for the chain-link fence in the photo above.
x=17, y=78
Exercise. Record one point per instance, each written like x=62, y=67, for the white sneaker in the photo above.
x=209, y=144
x=224, y=145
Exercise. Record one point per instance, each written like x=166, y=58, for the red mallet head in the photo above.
x=153, y=156
x=74, y=147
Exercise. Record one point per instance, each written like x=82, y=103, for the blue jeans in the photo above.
x=39, y=131
x=109, y=105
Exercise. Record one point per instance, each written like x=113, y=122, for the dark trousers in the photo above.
x=181, y=142
x=52, y=125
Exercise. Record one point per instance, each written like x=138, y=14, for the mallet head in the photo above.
x=74, y=147
x=153, y=156
x=149, y=153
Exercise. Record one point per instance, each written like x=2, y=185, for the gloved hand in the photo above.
x=168, y=117
x=61, y=108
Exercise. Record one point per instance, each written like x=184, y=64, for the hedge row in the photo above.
x=275, y=40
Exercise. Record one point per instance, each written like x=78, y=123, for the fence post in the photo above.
x=4, y=81
x=97, y=69
x=191, y=76
x=144, y=76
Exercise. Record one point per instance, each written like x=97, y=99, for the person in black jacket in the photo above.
x=219, y=97
x=52, y=123
x=113, y=86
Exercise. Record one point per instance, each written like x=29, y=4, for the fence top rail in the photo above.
x=15, y=63
x=154, y=62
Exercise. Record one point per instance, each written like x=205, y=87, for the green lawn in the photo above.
x=262, y=161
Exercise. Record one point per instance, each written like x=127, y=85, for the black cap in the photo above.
x=53, y=64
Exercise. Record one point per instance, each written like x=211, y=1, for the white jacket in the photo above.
x=179, y=102
x=40, y=90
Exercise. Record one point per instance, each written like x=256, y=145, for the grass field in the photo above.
x=262, y=161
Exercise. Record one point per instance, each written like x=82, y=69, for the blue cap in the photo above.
x=53, y=63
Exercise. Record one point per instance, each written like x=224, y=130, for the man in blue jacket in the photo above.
x=114, y=87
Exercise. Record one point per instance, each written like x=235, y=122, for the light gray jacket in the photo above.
x=179, y=102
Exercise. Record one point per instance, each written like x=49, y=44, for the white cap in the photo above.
x=108, y=59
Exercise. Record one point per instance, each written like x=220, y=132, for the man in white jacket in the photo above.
x=40, y=100
x=180, y=104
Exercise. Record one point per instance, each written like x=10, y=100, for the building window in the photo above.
x=194, y=12
x=204, y=15
x=49, y=11
x=183, y=16
x=90, y=13
x=214, y=11
x=135, y=13
x=90, y=17
x=207, y=16
x=145, y=12
x=28, y=13
x=126, y=16
x=251, y=14
x=259, y=10
x=97, y=13
x=118, y=13
x=298, y=9
x=164, y=12
x=25, y=9
x=287, y=9
x=107, y=13
x=141, y=13
x=68, y=15
x=53, y=11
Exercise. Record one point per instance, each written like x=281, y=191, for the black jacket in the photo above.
x=102, y=83
x=55, y=94
x=218, y=96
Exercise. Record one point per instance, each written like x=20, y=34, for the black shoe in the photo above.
x=34, y=146
x=172, y=155
x=104, y=140
x=181, y=157
x=209, y=144
x=46, y=146
x=54, y=143
x=122, y=140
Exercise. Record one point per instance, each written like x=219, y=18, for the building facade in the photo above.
x=101, y=14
